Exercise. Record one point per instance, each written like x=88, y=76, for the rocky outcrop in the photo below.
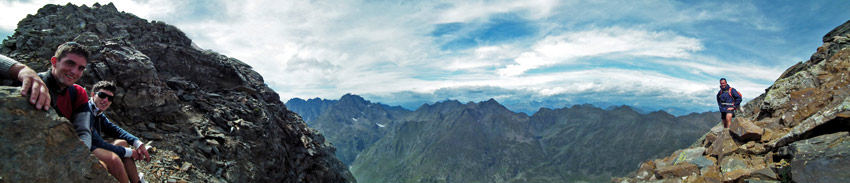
x=34, y=142
x=204, y=111
x=797, y=131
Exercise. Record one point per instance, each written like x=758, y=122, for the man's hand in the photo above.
x=143, y=152
x=32, y=86
x=137, y=155
x=730, y=109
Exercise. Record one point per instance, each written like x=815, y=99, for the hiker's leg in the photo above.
x=727, y=122
x=129, y=164
x=113, y=164
x=119, y=142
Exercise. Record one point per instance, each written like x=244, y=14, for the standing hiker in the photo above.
x=729, y=100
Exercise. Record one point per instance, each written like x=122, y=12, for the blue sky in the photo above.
x=526, y=54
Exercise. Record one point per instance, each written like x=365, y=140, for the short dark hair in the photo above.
x=71, y=47
x=105, y=85
x=722, y=79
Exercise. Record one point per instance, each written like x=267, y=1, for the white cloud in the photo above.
x=483, y=58
x=328, y=48
x=607, y=42
x=738, y=69
x=739, y=12
x=461, y=11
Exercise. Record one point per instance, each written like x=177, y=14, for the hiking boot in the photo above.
x=142, y=178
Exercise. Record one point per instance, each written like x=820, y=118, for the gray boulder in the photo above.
x=821, y=159
x=38, y=146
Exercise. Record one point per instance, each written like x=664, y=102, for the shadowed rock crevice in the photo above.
x=832, y=126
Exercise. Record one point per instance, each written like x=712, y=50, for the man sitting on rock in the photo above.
x=31, y=85
x=68, y=99
x=118, y=158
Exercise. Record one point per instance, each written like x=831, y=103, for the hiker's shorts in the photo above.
x=723, y=115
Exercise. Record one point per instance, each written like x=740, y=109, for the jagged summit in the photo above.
x=204, y=111
x=310, y=109
x=354, y=100
x=797, y=131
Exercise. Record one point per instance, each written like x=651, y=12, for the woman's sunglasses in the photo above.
x=104, y=95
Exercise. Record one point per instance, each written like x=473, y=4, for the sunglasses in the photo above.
x=106, y=96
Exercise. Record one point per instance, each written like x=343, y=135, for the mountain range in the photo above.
x=450, y=141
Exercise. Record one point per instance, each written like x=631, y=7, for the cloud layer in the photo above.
x=527, y=54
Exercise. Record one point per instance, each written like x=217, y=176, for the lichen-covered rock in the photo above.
x=38, y=146
x=201, y=107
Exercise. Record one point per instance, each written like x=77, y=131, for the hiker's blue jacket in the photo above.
x=727, y=99
x=100, y=125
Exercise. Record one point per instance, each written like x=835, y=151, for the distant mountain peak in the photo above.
x=624, y=108
x=491, y=102
x=351, y=99
x=349, y=96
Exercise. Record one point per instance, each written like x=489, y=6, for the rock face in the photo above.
x=796, y=131
x=33, y=142
x=199, y=107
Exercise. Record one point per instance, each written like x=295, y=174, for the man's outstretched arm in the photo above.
x=31, y=84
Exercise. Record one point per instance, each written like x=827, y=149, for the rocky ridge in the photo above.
x=211, y=117
x=309, y=109
x=797, y=131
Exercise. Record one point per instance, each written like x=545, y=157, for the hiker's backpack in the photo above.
x=733, y=97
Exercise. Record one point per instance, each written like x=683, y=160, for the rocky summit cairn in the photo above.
x=797, y=131
x=210, y=117
x=38, y=146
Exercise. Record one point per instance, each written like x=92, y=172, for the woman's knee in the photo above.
x=120, y=142
x=108, y=157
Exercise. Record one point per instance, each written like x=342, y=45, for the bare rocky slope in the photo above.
x=211, y=118
x=797, y=131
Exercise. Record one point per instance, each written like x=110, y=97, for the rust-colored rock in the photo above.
x=723, y=145
x=745, y=130
x=646, y=171
x=677, y=170
x=735, y=175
